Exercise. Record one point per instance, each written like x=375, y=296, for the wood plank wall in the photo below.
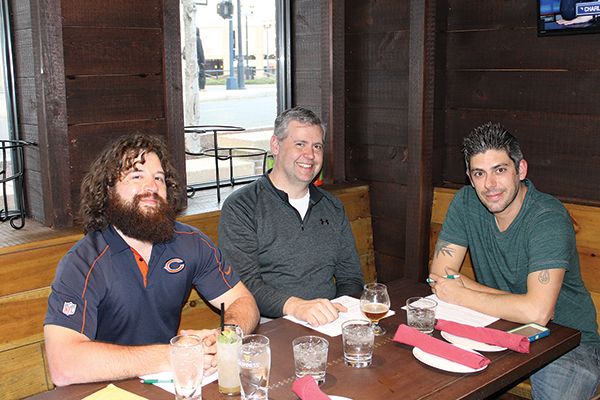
x=103, y=69
x=544, y=90
x=377, y=70
x=114, y=57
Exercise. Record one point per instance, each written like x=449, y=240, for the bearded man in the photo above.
x=117, y=296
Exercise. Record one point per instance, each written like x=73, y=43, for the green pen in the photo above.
x=157, y=380
x=429, y=280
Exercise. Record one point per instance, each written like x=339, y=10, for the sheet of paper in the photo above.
x=168, y=376
x=463, y=315
x=335, y=328
x=111, y=392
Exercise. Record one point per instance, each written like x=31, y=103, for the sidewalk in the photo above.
x=220, y=92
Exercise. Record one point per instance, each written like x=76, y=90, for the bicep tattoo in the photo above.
x=544, y=277
x=443, y=247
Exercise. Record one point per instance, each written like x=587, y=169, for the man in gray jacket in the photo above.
x=290, y=241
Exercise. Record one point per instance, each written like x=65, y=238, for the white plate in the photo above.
x=469, y=343
x=442, y=363
x=339, y=398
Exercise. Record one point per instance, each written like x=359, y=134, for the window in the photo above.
x=232, y=77
x=12, y=205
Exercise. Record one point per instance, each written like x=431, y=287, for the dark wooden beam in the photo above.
x=333, y=88
x=52, y=116
x=173, y=86
x=420, y=137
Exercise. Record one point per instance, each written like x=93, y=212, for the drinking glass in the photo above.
x=310, y=357
x=187, y=364
x=358, y=337
x=375, y=304
x=228, y=342
x=420, y=313
x=254, y=362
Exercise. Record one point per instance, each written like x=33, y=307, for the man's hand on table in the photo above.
x=447, y=289
x=210, y=348
x=316, y=312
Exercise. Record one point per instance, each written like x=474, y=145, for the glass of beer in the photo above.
x=228, y=341
x=254, y=361
x=375, y=304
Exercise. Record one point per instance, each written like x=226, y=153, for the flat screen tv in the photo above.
x=568, y=17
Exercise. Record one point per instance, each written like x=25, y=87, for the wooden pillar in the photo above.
x=420, y=137
x=332, y=88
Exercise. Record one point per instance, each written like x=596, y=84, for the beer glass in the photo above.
x=375, y=304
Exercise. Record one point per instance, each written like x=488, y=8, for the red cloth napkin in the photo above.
x=406, y=334
x=307, y=389
x=485, y=335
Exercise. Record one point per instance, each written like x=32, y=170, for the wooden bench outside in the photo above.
x=586, y=220
x=28, y=270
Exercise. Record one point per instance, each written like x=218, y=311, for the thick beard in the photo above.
x=152, y=226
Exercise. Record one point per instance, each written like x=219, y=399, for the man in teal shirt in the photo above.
x=522, y=245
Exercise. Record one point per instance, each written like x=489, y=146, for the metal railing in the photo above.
x=223, y=154
x=13, y=172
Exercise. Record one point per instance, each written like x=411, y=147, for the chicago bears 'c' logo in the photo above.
x=174, y=265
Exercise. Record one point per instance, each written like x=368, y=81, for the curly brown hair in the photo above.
x=109, y=168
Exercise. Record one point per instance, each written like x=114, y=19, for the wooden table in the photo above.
x=394, y=373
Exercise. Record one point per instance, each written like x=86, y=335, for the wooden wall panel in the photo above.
x=574, y=92
x=522, y=49
x=377, y=163
x=112, y=13
x=377, y=68
x=383, y=127
x=543, y=90
x=114, y=98
x=87, y=141
x=389, y=267
x=496, y=14
x=377, y=16
x=388, y=201
x=129, y=51
x=377, y=88
x=381, y=50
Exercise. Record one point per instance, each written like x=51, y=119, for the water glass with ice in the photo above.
x=420, y=313
x=358, y=337
x=187, y=365
x=310, y=357
x=254, y=365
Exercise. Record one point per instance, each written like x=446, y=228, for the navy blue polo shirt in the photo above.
x=99, y=289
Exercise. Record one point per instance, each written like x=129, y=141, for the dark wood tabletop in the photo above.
x=394, y=371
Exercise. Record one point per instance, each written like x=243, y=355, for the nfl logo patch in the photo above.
x=69, y=308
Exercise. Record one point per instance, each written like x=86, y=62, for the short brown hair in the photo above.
x=108, y=169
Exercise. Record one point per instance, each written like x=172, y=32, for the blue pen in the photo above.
x=429, y=280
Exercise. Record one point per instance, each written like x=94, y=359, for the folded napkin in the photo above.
x=485, y=335
x=406, y=334
x=307, y=389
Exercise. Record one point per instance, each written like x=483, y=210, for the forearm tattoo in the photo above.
x=544, y=277
x=443, y=247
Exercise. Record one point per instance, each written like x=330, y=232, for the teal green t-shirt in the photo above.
x=541, y=237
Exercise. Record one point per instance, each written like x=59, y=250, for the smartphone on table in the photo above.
x=532, y=331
